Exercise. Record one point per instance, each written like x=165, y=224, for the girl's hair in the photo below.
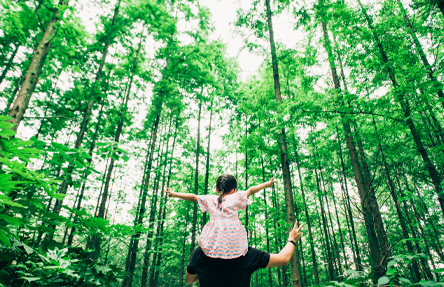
x=225, y=183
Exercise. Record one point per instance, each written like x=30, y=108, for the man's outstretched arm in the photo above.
x=190, y=278
x=284, y=256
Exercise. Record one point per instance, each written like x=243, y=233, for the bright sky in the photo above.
x=224, y=15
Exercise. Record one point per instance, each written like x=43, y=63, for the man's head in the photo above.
x=225, y=184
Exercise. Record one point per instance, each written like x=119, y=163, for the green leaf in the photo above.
x=28, y=249
x=391, y=263
x=11, y=220
x=30, y=279
x=383, y=280
x=4, y=238
x=59, y=196
x=405, y=280
x=7, y=133
x=439, y=270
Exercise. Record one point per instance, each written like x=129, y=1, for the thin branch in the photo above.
x=54, y=117
x=1, y=51
x=351, y=113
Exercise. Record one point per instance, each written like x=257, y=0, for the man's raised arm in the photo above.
x=284, y=256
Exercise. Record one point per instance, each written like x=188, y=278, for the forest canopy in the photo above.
x=105, y=104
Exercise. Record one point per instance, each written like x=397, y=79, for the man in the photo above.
x=215, y=272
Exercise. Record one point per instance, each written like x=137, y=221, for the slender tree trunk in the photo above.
x=434, y=175
x=35, y=68
x=207, y=166
x=159, y=258
x=134, y=244
x=307, y=219
x=196, y=179
x=358, y=263
x=339, y=227
x=338, y=257
x=367, y=198
x=82, y=191
x=88, y=111
x=270, y=279
x=9, y=64
x=324, y=225
x=182, y=260
x=119, y=127
x=294, y=262
x=246, y=173
x=150, y=238
x=396, y=203
x=420, y=50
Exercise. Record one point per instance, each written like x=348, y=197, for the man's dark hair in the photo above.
x=225, y=183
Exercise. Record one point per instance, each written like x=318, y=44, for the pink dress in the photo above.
x=224, y=235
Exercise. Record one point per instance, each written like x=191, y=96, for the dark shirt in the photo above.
x=215, y=272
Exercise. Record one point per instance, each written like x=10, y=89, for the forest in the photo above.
x=106, y=103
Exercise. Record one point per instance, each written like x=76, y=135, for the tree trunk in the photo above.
x=246, y=173
x=134, y=244
x=150, y=238
x=307, y=220
x=196, y=179
x=367, y=198
x=207, y=166
x=9, y=64
x=420, y=50
x=35, y=68
x=159, y=258
x=434, y=175
x=182, y=260
x=82, y=191
x=88, y=111
x=294, y=262
x=266, y=223
x=119, y=127
x=324, y=225
x=348, y=211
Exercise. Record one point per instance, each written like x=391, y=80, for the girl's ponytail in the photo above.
x=225, y=183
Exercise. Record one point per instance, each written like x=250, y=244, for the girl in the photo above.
x=223, y=236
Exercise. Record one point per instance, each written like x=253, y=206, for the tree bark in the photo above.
x=246, y=173
x=35, y=68
x=207, y=166
x=324, y=226
x=294, y=262
x=270, y=279
x=307, y=220
x=196, y=179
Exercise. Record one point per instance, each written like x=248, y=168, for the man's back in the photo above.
x=214, y=272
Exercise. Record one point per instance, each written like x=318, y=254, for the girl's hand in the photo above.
x=270, y=183
x=170, y=193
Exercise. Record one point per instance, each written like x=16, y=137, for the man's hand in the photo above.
x=295, y=233
x=284, y=256
x=170, y=193
x=270, y=182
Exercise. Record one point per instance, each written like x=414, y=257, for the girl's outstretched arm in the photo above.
x=252, y=190
x=187, y=196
